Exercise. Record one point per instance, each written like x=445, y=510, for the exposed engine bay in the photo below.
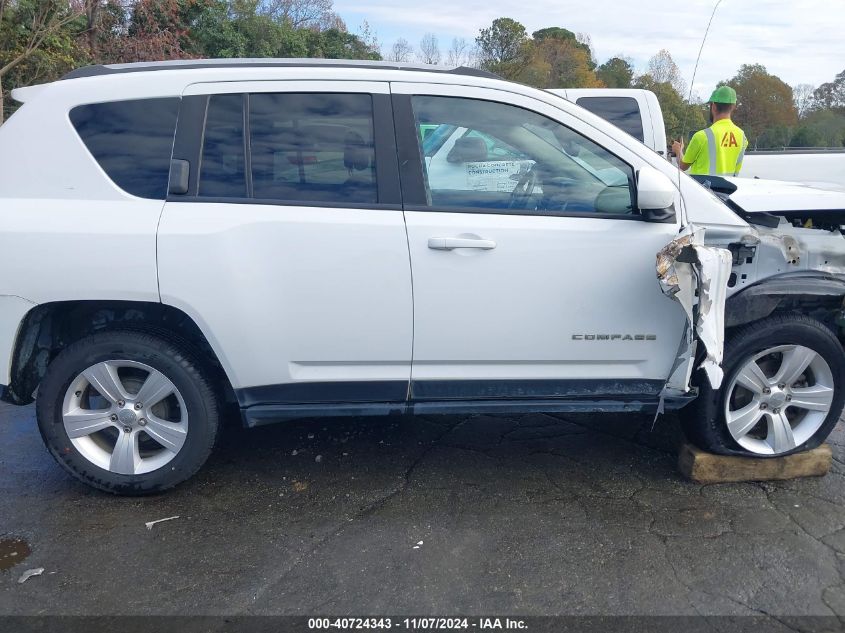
x=791, y=258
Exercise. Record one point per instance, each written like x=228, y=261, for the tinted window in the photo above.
x=623, y=112
x=132, y=141
x=222, y=171
x=501, y=157
x=312, y=147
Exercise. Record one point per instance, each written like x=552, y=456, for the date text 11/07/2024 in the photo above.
x=424, y=624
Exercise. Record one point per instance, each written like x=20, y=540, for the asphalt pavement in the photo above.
x=531, y=514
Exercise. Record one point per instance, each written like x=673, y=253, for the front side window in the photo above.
x=313, y=147
x=131, y=140
x=484, y=155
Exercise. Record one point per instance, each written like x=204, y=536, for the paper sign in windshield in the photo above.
x=499, y=175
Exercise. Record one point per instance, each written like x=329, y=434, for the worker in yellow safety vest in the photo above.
x=719, y=149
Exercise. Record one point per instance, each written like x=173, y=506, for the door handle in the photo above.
x=451, y=243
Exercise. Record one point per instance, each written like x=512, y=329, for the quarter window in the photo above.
x=131, y=140
x=488, y=156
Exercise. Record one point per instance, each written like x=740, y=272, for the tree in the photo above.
x=237, y=29
x=461, y=53
x=828, y=127
x=664, y=70
x=227, y=28
x=301, y=13
x=806, y=136
x=802, y=95
x=616, y=72
x=681, y=119
x=831, y=94
x=558, y=63
x=27, y=28
x=560, y=34
x=401, y=51
x=337, y=44
x=765, y=101
x=501, y=44
x=154, y=30
x=429, y=49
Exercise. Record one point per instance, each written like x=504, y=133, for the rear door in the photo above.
x=283, y=238
x=531, y=283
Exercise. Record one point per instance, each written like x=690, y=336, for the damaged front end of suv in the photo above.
x=764, y=309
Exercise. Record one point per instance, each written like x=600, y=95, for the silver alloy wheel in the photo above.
x=779, y=399
x=125, y=417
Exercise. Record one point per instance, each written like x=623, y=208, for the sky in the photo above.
x=801, y=41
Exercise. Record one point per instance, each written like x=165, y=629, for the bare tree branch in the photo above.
x=429, y=49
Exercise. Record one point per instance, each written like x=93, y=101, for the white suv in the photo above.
x=177, y=237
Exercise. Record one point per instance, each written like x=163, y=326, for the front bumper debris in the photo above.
x=696, y=276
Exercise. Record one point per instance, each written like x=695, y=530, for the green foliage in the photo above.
x=37, y=43
x=828, y=125
x=501, y=46
x=832, y=94
x=616, y=72
x=682, y=119
x=553, y=62
x=765, y=104
x=236, y=29
x=806, y=136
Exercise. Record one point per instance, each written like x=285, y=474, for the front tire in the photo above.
x=128, y=412
x=782, y=391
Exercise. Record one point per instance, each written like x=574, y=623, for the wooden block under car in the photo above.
x=707, y=468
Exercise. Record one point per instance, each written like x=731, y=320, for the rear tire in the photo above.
x=127, y=412
x=773, y=413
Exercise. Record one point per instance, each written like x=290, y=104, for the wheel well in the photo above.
x=50, y=327
x=826, y=310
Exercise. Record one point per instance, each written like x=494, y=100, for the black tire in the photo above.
x=704, y=421
x=177, y=362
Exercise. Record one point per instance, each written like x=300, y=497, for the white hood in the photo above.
x=778, y=196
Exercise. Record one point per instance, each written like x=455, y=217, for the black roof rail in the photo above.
x=193, y=64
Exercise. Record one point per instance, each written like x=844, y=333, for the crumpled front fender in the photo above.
x=696, y=276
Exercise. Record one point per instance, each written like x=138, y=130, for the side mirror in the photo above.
x=655, y=195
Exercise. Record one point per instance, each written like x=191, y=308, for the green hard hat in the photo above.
x=723, y=94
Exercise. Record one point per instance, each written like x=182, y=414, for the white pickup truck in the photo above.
x=638, y=112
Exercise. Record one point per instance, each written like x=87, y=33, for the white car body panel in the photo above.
x=814, y=168
x=774, y=196
x=512, y=312
x=287, y=294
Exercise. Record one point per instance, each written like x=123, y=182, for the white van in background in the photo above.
x=638, y=113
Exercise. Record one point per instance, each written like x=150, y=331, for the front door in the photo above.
x=534, y=273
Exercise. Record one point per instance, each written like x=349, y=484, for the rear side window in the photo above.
x=623, y=112
x=312, y=147
x=131, y=140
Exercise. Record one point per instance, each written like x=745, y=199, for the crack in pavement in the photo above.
x=364, y=512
